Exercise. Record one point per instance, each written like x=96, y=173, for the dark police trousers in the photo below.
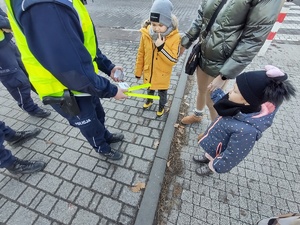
x=90, y=121
x=6, y=158
x=13, y=77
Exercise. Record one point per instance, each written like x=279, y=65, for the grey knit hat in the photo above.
x=161, y=12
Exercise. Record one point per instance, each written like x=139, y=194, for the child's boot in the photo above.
x=148, y=103
x=161, y=111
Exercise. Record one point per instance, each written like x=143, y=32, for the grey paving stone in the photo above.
x=84, y=178
x=135, y=150
x=95, y=202
x=84, y=198
x=46, y=204
x=69, y=172
x=22, y=216
x=13, y=189
x=187, y=208
x=140, y=165
x=213, y=218
x=2, y=201
x=123, y=175
x=148, y=142
x=52, y=165
x=65, y=189
x=109, y=208
x=86, y=218
x=37, y=200
x=50, y=183
x=59, y=149
x=59, y=139
x=39, y=145
x=129, y=210
x=183, y=219
x=70, y=156
x=73, y=143
x=116, y=191
x=129, y=197
x=149, y=154
x=7, y=210
x=103, y=185
x=42, y=221
x=60, y=169
x=58, y=127
x=63, y=211
x=27, y=196
x=124, y=220
x=100, y=170
x=74, y=193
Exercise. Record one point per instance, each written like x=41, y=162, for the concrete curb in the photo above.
x=148, y=206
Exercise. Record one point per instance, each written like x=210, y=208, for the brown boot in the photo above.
x=191, y=119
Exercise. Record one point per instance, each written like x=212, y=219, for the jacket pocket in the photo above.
x=226, y=51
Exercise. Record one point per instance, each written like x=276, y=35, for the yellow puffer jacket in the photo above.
x=156, y=66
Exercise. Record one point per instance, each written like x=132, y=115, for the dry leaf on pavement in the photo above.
x=139, y=186
x=168, y=164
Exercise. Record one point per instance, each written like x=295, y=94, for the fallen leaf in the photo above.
x=176, y=125
x=139, y=186
x=168, y=164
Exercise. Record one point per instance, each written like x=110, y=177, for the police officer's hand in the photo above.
x=112, y=73
x=120, y=94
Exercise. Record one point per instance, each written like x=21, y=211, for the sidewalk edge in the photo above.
x=148, y=206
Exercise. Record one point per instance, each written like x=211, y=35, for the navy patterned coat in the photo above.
x=228, y=140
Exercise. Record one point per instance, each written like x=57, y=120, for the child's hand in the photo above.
x=182, y=49
x=160, y=40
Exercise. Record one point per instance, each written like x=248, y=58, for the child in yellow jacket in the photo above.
x=158, y=51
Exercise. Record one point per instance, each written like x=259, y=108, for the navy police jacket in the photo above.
x=54, y=36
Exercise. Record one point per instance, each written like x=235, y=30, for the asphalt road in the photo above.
x=297, y=2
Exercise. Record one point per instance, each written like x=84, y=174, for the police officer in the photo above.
x=12, y=71
x=62, y=57
x=16, y=138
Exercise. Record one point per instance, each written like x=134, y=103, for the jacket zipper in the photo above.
x=152, y=64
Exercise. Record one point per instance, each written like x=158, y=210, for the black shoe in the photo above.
x=204, y=171
x=24, y=166
x=23, y=136
x=113, y=154
x=201, y=159
x=116, y=137
x=41, y=113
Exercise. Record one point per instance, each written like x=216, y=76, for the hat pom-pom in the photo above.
x=274, y=72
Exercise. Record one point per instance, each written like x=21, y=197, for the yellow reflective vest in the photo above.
x=43, y=81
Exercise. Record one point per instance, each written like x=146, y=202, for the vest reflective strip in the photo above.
x=42, y=80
